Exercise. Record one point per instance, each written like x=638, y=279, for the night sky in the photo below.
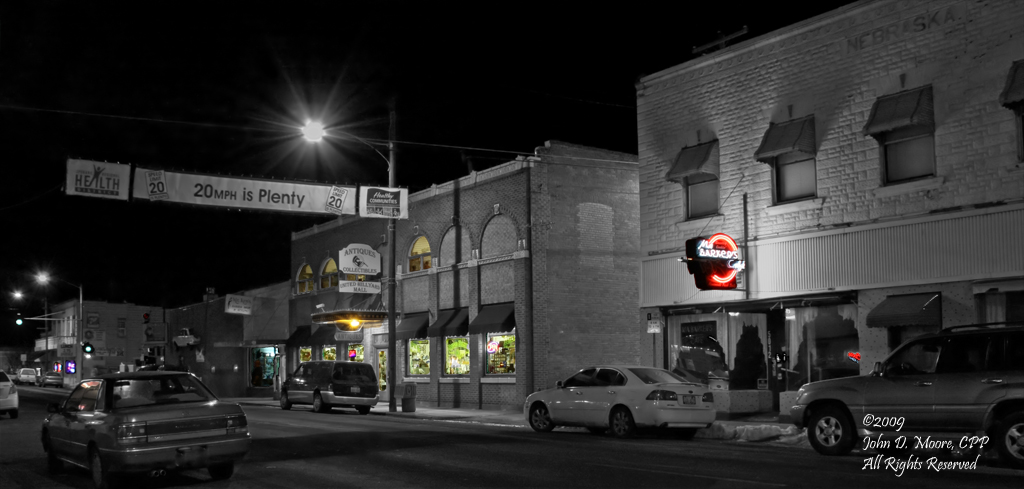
x=222, y=89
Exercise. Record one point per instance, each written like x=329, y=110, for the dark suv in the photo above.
x=326, y=384
x=964, y=381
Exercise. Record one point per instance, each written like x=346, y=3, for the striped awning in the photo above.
x=907, y=310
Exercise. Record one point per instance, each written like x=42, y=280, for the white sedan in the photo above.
x=8, y=396
x=622, y=398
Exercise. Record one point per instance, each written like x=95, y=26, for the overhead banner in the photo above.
x=354, y=287
x=391, y=203
x=98, y=179
x=359, y=259
x=246, y=193
x=238, y=304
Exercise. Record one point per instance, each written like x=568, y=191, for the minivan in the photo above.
x=327, y=384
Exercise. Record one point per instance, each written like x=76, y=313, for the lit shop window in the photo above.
x=305, y=354
x=355, y=352
x=304, y=281
x=456, y=354
x=501, y=354
x=330, y=353
x=329, y=275
x=419, y=357
x=355, y=278
x=419, y=257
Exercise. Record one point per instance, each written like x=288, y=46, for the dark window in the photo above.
x=915, y=358
x=348, y=372
x=4, y=378
x=963, y=355
x=1015, y=306
x=908, y=154
x=583, y=378
x=1019, y=117
x=702, y=199
x=1011, y=352
x=607, y=376
x=795, y=177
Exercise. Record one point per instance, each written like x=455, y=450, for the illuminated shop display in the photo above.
x=305, y=354
x=329, y=353
x=382, y=370
x=501, y=354
x=355, y=352
x=456, y=354
x=264, y=366
x=419, y=357
x=57, y=367
x=70, y=367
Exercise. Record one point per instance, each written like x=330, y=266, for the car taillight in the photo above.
x=238, y=424
x=708, y=397
x=660, y=395
x=131, y=433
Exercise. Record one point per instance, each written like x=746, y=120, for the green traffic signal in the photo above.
x=87, y=348
x=18, y=321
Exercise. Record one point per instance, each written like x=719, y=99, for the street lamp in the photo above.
x=44, y=278
x=315, y=132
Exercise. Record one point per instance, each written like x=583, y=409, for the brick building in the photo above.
x=868, y=164
x=509, y=279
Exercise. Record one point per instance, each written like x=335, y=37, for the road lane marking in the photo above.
x=688, y=474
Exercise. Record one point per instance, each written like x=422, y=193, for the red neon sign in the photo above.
x=726, y=250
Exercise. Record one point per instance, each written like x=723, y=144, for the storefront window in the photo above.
x=305, y=354
x=419, y=357
x=355, y=352
x=696, y=354
x=382, y=370
x=456, y=353
x=501, y=354
x=329, y=275
x=264, y=366
x=828, y=344
x=419, y=256
x=330, y=353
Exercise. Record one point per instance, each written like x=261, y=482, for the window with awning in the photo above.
x=696, y=169
x=413, y=325
x=450, y=322
x=790, y=148
x=494, y=318
x=1012, y=98
x=904, y=125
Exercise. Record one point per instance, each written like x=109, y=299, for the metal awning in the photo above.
x=368, y=309
x=412, y=326
x=1013, y=93
x=795, y=136
x=450, y=322
x=908, y=310
x=494, y=318
x=912, y=108
x=299, y=337
x=695, y=164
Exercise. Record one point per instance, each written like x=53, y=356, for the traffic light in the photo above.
x=18, y=321
x=87, y=348
x=145, y=318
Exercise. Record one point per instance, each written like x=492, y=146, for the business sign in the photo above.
x=714, y=262
x=384, y=202
x=245, y=193
x=354, y=287
x=238, y=304
x=359, y=259
x=67, y=350
x=98, y=179
x=70, y=366
x=92, y=320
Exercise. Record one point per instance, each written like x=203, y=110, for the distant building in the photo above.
x=509, y=279
x=868, y=163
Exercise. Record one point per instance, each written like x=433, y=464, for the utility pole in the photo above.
x=392, y=182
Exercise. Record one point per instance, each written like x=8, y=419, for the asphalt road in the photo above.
x=343, y=449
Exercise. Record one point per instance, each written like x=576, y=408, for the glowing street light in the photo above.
x=18, y=295
x=313, y=131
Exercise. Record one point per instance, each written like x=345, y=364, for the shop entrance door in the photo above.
x=382, y=372
x=776, y=348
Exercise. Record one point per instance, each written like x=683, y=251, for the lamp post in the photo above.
x=315, y=132
x=44, y=278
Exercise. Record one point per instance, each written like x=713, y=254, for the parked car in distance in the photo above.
x=962, y=381
x=144, y=422
x=8, y=396
x=26, y=376
x=326, y=384
x=622, y=398
x=50, y=378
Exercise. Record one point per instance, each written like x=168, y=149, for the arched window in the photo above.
x=304, y=281
x=419, y=256
x=499, y=237
x=329, y=275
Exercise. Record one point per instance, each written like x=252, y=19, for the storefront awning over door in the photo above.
x=1013, y=92
x=450, y=322
x=299, y=337
x=911, y=108
x=796, y=136
x=494, y=318
x=413, y=326
x=908, y=310
x=695, y=164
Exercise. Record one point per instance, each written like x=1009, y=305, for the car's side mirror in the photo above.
x=877, y=371
x=558, y=384
x=53, y=407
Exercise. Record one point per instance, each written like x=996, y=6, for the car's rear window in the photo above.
x=27, y=371
x=657, y=376
x=3, y=377
x=158, y=390
x=346, y=372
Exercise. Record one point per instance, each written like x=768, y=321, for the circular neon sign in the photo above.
x=492, y=347
x=721, y=246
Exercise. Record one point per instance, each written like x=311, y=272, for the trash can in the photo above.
x=408, y=394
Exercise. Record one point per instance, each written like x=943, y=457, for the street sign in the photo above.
x=654, y=326
x=336, y=200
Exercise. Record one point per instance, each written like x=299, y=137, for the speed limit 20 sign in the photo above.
x=336, y=200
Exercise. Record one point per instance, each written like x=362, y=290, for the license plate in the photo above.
x=355, y=390
x=688, y=399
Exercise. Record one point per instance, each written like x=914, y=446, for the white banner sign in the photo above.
x=384, y=202
x=359, y=259
x=98, y=179
x=359, y=287
x=238, y=304
x=271, y=195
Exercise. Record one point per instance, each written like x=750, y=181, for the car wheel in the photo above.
x=830, y=431
x=285, y=403
x=540, y=419
x=363, y=409
x=319, y=405
x=622, y=423
x=221, y=471
x=101, y=477
x=597, y=431
x=1009, y=438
